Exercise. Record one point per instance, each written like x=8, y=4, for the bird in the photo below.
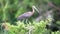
x=28, y=14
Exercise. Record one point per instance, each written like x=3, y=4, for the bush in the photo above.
x=32, y=28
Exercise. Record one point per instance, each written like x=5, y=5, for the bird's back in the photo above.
x=25, y=15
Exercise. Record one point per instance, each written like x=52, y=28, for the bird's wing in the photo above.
x=25, y=15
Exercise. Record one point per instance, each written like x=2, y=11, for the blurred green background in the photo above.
x=11, y=9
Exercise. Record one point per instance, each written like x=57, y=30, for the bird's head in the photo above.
x=33, y=7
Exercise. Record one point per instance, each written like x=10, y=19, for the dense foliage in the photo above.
x=31, y=28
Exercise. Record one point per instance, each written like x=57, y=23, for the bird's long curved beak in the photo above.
x=35, y=9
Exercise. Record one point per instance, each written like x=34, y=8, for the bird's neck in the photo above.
x=33, y=10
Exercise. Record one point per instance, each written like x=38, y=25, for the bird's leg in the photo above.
x=26, y=21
